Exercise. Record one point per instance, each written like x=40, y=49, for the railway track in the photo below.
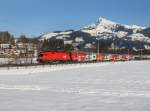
x=26, y=65
x=46, y=64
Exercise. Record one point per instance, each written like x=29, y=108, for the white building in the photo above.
x=4, y=46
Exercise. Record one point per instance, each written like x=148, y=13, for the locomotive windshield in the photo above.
x=40, y=55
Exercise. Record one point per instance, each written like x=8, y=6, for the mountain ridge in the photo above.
x=127, y=36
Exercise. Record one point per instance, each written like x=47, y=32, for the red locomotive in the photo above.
x=61, y=56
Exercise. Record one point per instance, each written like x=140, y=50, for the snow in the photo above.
x=96, y=32
x=68, y=41
x=121, y=34
x=120, y=86
x=49, y=35
x=102, y=22
x=101, y=25
x=88, y=45
x=45, y=68
x=135, y=27
x=139, y=37
x=147, y=47
x=79, y=39
x=53, y=34
x=105, y=25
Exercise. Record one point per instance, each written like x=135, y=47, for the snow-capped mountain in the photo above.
x=104, y=25
x=101, y=25
x=127, y=36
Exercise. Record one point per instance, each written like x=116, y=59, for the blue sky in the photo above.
x=35, y=17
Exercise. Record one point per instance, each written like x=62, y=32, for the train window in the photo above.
x=40, y=55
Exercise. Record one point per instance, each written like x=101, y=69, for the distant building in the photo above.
x=5, y=46
x=79, y=39
x=68, y=41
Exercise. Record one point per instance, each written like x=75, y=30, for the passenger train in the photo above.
x=50, y=57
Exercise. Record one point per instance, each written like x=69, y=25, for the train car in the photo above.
x=114, y=57
x=100, y=57
x=50, y=57
x=81, y=56
x=131, y=57
x=90, y=56
x=124, y=57
x=119, y=57
x=127, y=57
x=73, y=56
x=107, y=57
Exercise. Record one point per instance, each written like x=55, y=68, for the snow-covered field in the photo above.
x=121, y=86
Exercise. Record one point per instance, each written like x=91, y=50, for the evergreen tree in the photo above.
x=6, y=38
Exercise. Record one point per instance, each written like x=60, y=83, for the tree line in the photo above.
x=45, y=45
x=6, y=38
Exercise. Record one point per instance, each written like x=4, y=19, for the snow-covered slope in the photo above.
x=59, y=35
x=139, y=37
x=135, y=28
x=121, y=86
